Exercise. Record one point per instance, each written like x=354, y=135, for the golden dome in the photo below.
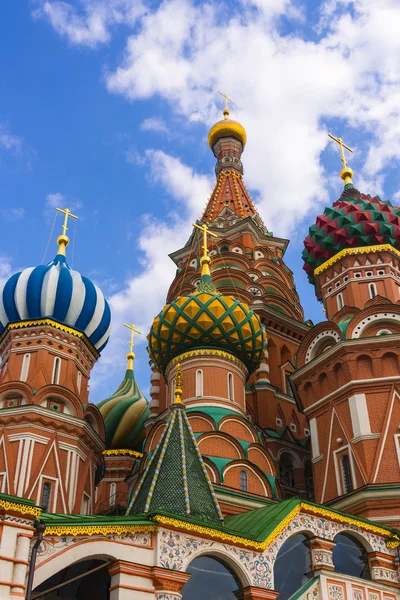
x=226, y=128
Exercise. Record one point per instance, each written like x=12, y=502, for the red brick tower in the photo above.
x=247, y=263
x=349, y=365
x=53, y=325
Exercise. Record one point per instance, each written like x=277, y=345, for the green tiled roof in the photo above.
x=175, y=479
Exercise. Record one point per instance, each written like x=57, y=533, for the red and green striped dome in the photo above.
x=355, y=220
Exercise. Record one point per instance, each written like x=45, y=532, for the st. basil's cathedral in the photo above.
x=266, y=461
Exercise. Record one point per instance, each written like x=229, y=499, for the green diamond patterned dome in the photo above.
x=355, y=220
x=206, y=319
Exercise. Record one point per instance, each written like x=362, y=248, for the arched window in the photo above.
x=224, y=249
x=243, y=481
x=25, y=367
x=230, y=387
x=56, y=370
x=339, y=299
x=346, y=474
x=113, y=494
x=46, y=496
x=372, y=290
x=79, y=381
x=286, y=470
x=350, y=557
x=199, y=383
x=292, y=567
x=210, y=578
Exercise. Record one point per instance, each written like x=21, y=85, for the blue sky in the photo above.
x=105, y=108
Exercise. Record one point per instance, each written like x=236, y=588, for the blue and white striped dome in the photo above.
x=57, y=292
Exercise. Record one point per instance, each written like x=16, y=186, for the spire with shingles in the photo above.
x=176, y=479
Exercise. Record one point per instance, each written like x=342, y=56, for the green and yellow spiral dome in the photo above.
x=208, y=320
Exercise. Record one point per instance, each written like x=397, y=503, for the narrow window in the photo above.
x=339, y=301
x=113, y=494
x=25, y=367
x=56, y=370
x=243, y=481
x=346, y=474
x=79, y=381
x=372, y=290
x=199, y=383
x=46, y=496
x=230, y=387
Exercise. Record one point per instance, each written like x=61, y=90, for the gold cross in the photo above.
x=205, y=229
x=133, y=331
x=342, y=145
x=226, y=99
x=67, y=213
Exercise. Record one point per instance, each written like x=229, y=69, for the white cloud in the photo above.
x=143, y=295
x=154, y=124
x=12, y=214
x=91, y=25
x=5, y=270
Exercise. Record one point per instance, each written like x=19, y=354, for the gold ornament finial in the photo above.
x=346, y=173
x=130, y=356
x=63, y=239
x=178, y=391
x=205, y=260
x=226, y=100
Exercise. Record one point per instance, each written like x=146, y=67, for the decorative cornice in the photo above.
x=24, y=509
x=243, y=541
x=349, y=251
x=56, y=325
x=207, y=352
x=122, y=452
x=74, y=530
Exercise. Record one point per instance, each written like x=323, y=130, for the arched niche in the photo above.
x=92, y=584
x=210, y=577
x=292, y=568
x=350, y=557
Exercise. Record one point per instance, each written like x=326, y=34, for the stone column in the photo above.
x=130, y=580
x=383, y=568
x=20, y=564
x=321, y=554
x=168, y=584
x=253, y=593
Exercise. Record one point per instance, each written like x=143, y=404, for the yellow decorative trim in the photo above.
x=205, y=352
x=122, y=452
x=242, y=541
x=24, y=509
x=56, y=325
x=214, y=533
x=74, y=530
x=324, y=512
x=360, y=250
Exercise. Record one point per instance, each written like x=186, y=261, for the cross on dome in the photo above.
x=346, y=173
x=63, y=239
x=130, y=356
x=226, y=100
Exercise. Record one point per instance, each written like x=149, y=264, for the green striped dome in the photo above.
x=124, y=414
x=206, y=319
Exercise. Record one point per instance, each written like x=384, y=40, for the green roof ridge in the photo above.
x=304, y=588
x=175, y=479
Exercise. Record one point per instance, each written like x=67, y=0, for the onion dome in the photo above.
x=226, y=128
x=206, y=319
x=353, y=221
x=126, y=411
x=55, y=291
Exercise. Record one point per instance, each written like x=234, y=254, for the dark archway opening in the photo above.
x=350, y=557
x=292, y=567
x=90, y=585
x=210, y=578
